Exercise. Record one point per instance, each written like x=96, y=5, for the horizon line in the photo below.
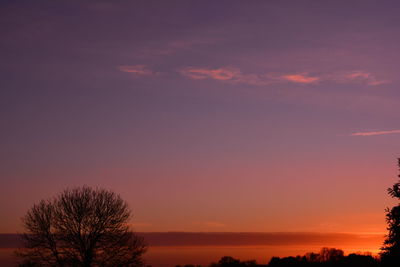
x=242, y=232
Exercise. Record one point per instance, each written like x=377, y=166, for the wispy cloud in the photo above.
x=228, y=74
x=301, y=78
x=223, y=74
x=375, y=133
x=357, y=76
x=235, y=75
x=141, y=70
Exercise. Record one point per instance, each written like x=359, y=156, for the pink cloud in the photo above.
x=375, y=82
x=223, y=74
x=232, y=75
x=301, y=78
x=235, y=75
x=141, y=70
x=358, y=76
x=375, y=133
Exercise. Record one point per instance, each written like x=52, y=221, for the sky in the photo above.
x=205, y=116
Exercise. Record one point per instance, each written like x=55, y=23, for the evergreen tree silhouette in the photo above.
x=390, y=252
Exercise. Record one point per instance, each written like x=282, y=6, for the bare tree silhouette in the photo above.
x=390, y=252
x=81, y=227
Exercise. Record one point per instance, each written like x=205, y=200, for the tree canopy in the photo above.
x=80, y=227
x=390, y=252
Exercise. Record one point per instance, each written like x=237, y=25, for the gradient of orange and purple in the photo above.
x=241, y=116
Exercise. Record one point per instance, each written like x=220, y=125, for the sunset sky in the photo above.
x=221, y=116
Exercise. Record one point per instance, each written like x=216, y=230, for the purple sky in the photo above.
x=204, y=115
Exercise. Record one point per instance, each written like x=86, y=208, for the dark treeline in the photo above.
x=327, y=257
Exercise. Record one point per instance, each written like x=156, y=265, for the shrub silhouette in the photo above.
x=80, y=227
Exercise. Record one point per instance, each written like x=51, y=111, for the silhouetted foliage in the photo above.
x=80, y=227
x=390, y=252
x=329, y=257
x=228, y=261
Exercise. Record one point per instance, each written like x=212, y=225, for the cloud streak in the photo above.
x=357, y=76
x=235, y=76
x=222, y=74
x=171, y=239
x=301, y=78
x=228, y=74
x=258, y=239
x=375, y=133
x=140, y=70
